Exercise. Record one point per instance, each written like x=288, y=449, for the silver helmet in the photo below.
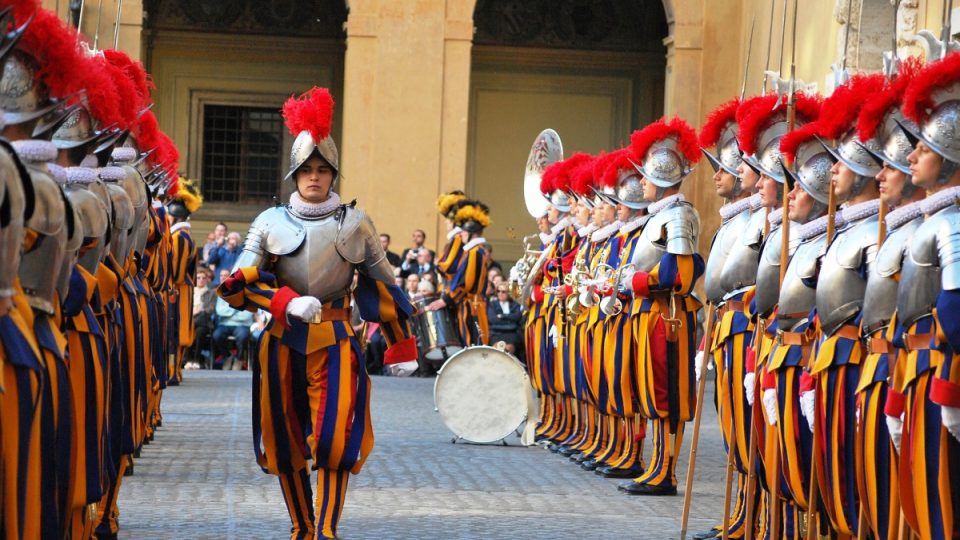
x=304, y=146
x=560, y=200
x=22, y=96
x=629, y=190
x=664, y=165
x=76, y=130
x=768, y=159
x=858, y=156
x=728, y=156
x=310, y=119
x=811, y=170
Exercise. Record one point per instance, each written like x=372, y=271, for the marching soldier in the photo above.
x=183, y=255
x=666, y=268
x=299, y=261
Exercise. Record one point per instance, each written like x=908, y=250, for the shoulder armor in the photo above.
x=355, y=235
x=948, y=247
x=48, y=217
x=275, y=232
x=890, y=254
x=681, y=224
x=808, y=256
x=857, y=244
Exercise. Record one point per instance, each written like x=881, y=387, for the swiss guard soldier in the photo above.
x=183, y=256
x=877, y=461
x=927, y=379
x=667, y=266
x=447, y=205
x=299, y=261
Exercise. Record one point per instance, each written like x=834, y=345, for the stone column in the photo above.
x=405, y=107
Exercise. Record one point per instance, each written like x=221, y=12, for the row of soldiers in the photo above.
x=95, y=276
x=831, y=295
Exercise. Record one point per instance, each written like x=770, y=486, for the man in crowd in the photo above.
x=419, y=237
x=204, y=305
x=418, y=262
x=392, y=257
x=505, y=315
x=230, y=323
x=225, y=256
x=215, y=240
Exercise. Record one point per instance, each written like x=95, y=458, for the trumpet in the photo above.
x=525, y=270
x=574, y=280
x=611, y=305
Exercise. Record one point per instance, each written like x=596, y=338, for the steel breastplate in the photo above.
x=740, y=268
x=840, y=287
x=650, y=245
x=796, y=298
x=768, y=273
x=921, y=280
x=39, y=267
x=13, y=202
x=880, y=296
x=315, y=268
x=720, y=249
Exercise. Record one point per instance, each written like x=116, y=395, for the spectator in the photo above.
x=425, y=288
x=493, y=263
x=420, y=262
x=419, y=237
x=205, y=250
x=492, y=275
x=505, y=322
x=392, y=257
x=412, y=284
x=397, y=278
x=204, y=304
x=219, y=236
x=431, y=278
x=226, y=255
x=230, y=323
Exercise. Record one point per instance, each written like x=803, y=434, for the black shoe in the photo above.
x=590, y=465
x=136, y=453
x=712, y=533
x=567, y=451
x=129, y=470
x=576, y=456
x=635, y=488
x=612, y=472
x=554, y=447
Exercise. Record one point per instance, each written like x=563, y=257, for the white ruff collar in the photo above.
x=755, y=201
x=606, y=231
x=727, y=211
x=663, y=204
x=178, y=226
x=584, y=231
x=775, y=217
x=312, y=210
x=561, y=225
x=58, y=173
x=816, y=227
x=35, y=150
x=859, y=211
x=453, y=232
x=905, y=214
x=634, y=224
x=940, y=200
x=547, y=238
x=114, y=174
x=81, y=175
x=475, y=242
x=123, y=154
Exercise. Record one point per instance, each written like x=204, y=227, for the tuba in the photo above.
x=547, y=150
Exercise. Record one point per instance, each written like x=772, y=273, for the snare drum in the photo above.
x=437, y=332
x=483, y=394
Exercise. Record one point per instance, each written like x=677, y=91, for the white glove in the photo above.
x=950, y=416
x=808, y=407
x=303, y=308
x=750, y=387
x=553, y=336
x=770, y=405
x=698, y=364
x=626, y=279
x=895, y=427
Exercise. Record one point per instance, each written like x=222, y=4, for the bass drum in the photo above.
x=436, y=332
x=483, y=395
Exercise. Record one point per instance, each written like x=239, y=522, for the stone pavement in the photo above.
x=198, y=479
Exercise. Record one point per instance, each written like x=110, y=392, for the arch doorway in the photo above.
x=592, y=70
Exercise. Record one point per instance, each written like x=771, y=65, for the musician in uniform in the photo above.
x=183, y=256
x=299, y=261
x=667, y=267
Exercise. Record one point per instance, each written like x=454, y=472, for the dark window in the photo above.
x=241, y=153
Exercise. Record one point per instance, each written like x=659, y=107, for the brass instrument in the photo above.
x=526, y=270
x=574, y=279
x=611, y=305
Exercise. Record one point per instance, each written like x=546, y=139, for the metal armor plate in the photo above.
x=682, y=228
x=94, y=221
x=840, y=287
x=13, y=204
x=880, y=296
x=768, y=270
x=796, y=298
x=38, y=267
x=934, y=246
x=650, y=246
x=740, y=268
x=723, y=241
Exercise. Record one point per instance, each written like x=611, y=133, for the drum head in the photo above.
x=482, y=394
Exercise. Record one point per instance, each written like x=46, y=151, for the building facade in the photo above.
x=434, y=95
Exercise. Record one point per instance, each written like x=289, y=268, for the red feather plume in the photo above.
x=548, y=180
x=147, y=132
x=100, y=94
x=312, y=111
x=126, y=95
x=876, y=108
x=53, y=45
x=642, y=140
x=754, y=116
x=918, y=98
x=581, y=175
x=600, y=162
x=135, y=72
x=717, y=120
x=616, y=162
x=791, y=142
x=840, y=109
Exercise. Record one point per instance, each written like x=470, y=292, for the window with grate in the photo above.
x=241, y=153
